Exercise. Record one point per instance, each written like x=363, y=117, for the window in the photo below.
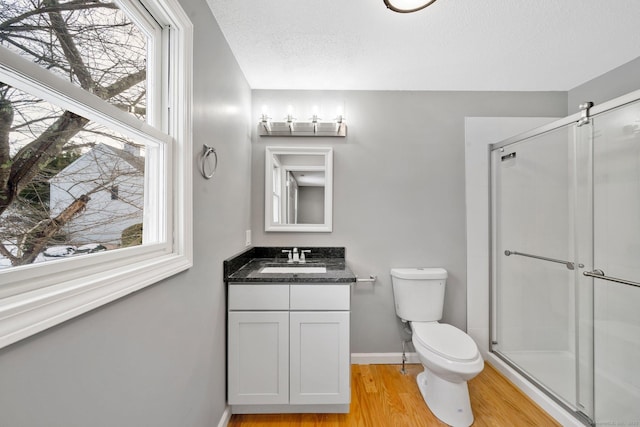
x=95, y=155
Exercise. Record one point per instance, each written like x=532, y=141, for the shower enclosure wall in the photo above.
x=565, y=202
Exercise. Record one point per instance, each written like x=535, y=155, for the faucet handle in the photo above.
x=302, y=256
x=288, y=252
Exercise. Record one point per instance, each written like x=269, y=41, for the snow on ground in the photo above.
x=4, y=263
x=54, y=252
x=59, y=251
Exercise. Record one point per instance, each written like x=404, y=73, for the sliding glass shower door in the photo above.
x=616, y=255
x=566, y=261
x=535, y=311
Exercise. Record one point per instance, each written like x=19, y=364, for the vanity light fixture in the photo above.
x=314, y=120
x=290, y=119
x=291, y=127
x=265, y=123
x=264, y=119
x=407, y=6
x=340, y=119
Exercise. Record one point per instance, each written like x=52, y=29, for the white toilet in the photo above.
x=449, y=356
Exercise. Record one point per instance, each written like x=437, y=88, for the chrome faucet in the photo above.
x=295, y=255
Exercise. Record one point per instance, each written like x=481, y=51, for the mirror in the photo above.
x=298, y=189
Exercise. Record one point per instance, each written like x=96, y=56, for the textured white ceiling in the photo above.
x=452, y=45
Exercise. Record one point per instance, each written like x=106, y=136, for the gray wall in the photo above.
x=616, y=82
x=399, y=196
x=310, y=205
x=155, y=358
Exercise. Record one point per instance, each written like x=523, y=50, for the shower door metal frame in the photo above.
x=577, y=119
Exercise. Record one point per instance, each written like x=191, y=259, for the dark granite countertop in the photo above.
x=245, y=267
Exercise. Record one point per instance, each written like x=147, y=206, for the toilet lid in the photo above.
x=445, y=340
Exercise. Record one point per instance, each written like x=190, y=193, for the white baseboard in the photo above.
x=226, y=417
x=382, y=358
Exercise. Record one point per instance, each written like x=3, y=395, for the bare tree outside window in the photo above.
x=91, y=43
x=57, y=168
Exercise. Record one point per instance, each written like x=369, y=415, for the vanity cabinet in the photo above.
x=288, y=348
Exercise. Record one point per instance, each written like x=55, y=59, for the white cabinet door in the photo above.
x=320, y=358
x=258, y=357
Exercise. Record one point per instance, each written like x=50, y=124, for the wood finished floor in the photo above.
x=382, y=397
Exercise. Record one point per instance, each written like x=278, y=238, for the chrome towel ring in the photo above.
x=204, y=157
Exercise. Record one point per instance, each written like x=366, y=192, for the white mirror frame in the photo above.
x=327, y=152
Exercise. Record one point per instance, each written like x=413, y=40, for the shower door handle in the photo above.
x=599, y=274
x=595, y=273
x=570, y=265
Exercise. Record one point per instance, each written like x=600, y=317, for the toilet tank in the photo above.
x=419, y=293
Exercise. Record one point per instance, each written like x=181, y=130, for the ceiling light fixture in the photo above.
x=407, y=6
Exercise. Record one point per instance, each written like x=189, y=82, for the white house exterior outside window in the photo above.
x=116, y=206
x=112, y=209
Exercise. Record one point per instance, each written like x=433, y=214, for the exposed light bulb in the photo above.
x=290, y=117
x=339, y=114
x=314, y=114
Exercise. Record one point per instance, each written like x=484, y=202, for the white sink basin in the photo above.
x=295, y=270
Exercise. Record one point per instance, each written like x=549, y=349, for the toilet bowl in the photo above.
x=450, y=358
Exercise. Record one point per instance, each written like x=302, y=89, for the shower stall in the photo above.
x=565, y=260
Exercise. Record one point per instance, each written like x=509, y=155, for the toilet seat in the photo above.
x=445, y=340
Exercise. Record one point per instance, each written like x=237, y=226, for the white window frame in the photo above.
x=276, y=195
x=39, y=296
